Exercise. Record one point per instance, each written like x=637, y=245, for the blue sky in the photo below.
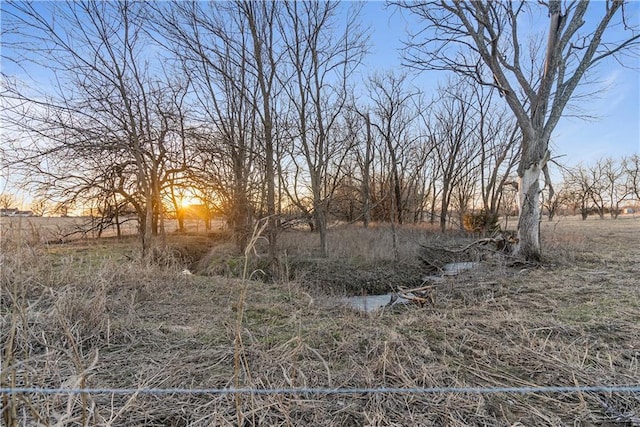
x=616, y=130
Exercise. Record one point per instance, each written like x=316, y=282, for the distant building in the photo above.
x=8, y=212
x=15, y=212
x=627, y=210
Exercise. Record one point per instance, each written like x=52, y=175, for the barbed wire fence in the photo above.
x=328, y=391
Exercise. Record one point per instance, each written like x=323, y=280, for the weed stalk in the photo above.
x=238, y=355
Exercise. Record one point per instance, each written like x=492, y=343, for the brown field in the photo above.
x=92, y=314
x=35, y=230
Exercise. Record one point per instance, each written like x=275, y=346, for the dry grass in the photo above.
x=52, y=230
x=91, y=315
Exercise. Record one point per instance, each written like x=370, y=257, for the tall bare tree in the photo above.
x=595, y=177
x=364, y=157
x=113, y=126
x=394, y=119
x=471, y=37
x=452, y=128
x=261, y=19
x=214, y=46
x=499, y=148
x=323, y=52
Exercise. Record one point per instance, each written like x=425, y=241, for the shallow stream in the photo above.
x=369, y=303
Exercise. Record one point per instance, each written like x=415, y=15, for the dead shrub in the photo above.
x=481, y=222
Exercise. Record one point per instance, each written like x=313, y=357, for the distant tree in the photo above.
x=555, y=200
x=614, y=188
x=7, y=201
x=499, y=145
x=464, y=192
x=471, y=37
x=579, y=189
x=497, y=140
x=595, y=179
x=631, y=167
x=63, y=208
x=364, y=152
x=41, y=207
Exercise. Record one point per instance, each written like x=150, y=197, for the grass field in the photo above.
x=91, y=313
x=36, y=230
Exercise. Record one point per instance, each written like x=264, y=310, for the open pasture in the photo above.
x=92, y=314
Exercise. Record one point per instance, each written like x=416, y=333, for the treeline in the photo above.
x=602, y=188
x=256, y=108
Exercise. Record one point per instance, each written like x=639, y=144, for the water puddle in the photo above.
x=370, y=303
x=454, y=268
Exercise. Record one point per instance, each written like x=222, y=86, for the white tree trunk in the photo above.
x=529, y=220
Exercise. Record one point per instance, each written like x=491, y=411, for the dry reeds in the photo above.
x=90, y=317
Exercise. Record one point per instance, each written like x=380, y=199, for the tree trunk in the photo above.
x=117, y=216
x=398, y=195
x=366, y=194
x=265, y=79
x=433, y=202
x=147, y=229
x=444, y=206
x=397, y=190
x=180, y=217
x=529, y=205
x=535, y=150
x=272, y=229
x=240, y=215
x=443, y=216
x=320, y=216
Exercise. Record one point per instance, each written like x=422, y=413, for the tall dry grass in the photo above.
x=60, y=310
x=354, y=242
x=86, y=315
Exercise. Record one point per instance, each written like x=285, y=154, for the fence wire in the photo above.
x=327, y=391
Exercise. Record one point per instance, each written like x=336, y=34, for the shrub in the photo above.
x=481, y=222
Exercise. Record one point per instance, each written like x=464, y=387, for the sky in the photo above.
x=614, y=130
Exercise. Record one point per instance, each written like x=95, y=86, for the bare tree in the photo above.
x=465, y=37
x=323, y=53
x=464, y=192
x=364, y=157
x=394, y=118
x=452, y=129
x=7, y=201
x=261, y=22
x=553, y=202
x=631, y=167
x=499, y=147
x=113, y=127
x=231, y=50
x=579, y=187
x=614, y=186
x=214, y=45
x=40, y=207
x=596, y=180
